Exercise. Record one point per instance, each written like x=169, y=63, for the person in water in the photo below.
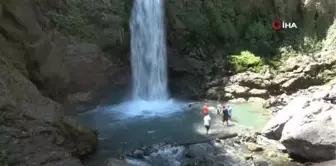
x=207, y=120
x=205, y=109
x=225, y=115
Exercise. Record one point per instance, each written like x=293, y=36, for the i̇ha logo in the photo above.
x=278, y=24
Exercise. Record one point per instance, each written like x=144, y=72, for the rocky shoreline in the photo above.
x=299, y=73
x=302, y=129
x=243, y=150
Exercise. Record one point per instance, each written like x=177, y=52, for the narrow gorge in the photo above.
x=123, y=82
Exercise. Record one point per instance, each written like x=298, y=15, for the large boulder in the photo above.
x=311, y=134
x=306, y=126
x=274, y=127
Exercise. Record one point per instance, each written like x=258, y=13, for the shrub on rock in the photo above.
x=246, y=61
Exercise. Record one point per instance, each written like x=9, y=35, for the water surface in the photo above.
x=121, y=132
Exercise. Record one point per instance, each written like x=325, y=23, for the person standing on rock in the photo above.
x=205, y=109
x=225, y=115
x=207, y=120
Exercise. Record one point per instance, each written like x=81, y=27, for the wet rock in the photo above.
x=196, y=162
x=236, y=89
x=281, y=148
x=156, y=146
x=272, y=154
x=238, y=100
x=202, y=150
x=138, y=154
x=116, y=162
x=257, y=133
x=248, y=157
x=79, y=139
x=260, y=163
x=237, y=141
x=174, y=151
x=271, y=102
x=258, y=92
x=249, y=137
x=219, y=164
x=217, y=144
x=144, y=148
x=254, y=147
x=256, y=100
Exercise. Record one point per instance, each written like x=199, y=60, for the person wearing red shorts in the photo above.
x=205, y=109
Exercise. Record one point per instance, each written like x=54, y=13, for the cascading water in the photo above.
x=149, y=65
x=148, y=51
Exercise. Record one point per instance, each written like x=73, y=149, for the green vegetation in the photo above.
x=237, y=25
x=204, y=28
x=230, y=25
x=246, y=61
x=102, y=22
x=72, y=21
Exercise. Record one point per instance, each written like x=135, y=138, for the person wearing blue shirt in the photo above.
x=229, y=108
x=225, y=115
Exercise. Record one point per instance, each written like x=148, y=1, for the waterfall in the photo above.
x=148, y=51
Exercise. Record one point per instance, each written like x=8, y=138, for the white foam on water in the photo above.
x=167, y=156
x=143, y=109
x=135, y=162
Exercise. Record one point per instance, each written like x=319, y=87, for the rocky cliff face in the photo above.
x=206, y=32
x=33, y=77
x=200, y=34
x=91, y=75
x=29, y=48
x=296, y=73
